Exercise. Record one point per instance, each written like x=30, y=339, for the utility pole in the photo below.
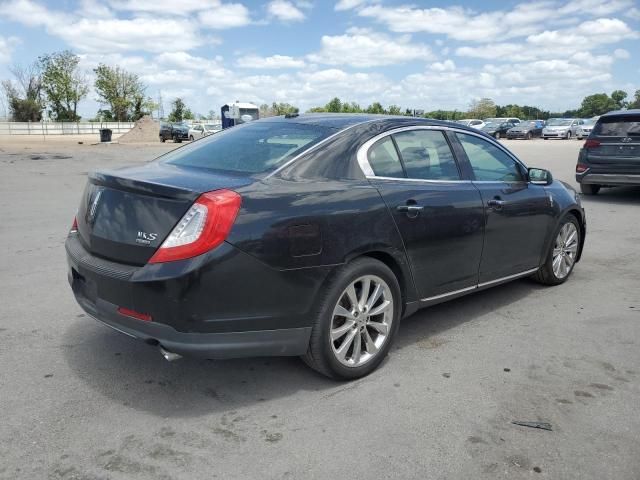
x=160, y=106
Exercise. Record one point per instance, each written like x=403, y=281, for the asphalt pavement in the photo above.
x=80, y=401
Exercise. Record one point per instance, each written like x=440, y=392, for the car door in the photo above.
x=438, y=214
x=517, y=214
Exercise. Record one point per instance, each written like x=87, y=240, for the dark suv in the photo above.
x=611, y=155
x=174, y=131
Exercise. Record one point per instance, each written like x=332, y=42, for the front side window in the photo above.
x=426, y=155
x=488, y=162
x=249, y=149
x=384, y=159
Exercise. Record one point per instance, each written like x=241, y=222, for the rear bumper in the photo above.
x=222, y=304
x=282, y=342
x=608, y=178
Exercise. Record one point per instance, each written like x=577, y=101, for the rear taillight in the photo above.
x=204, y=227
x=74, y=225
x=590, y=143
x=581, y=168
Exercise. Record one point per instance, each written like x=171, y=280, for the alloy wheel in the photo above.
x=565, y=251
x=361, y=322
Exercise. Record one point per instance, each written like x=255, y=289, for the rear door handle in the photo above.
x=410, y=208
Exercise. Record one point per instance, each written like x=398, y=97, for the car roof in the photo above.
x=632, y=111
x=344, y=120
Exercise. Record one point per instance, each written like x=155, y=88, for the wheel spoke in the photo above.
x=369, y=343
x=381, y=328
x=346, y=343
x=572, y=248
x=380, y=308
x=351, y=293
x=364, y=292
x=357, y=348
x=556, y=265
x=374, y=296
x=338, y=332
x=571, y=238
x=340, y=311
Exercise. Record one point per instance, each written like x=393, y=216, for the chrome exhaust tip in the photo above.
x=169, y=356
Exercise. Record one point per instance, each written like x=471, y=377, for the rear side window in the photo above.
x=488, y=162
x=426, y=155
x=618, y=126
x=249, y=149
x=384, y=160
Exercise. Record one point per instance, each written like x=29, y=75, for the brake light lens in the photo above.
x=590, y=143
x=127, y=312
x=581, y=168
x=74, y=225
x=205, y=226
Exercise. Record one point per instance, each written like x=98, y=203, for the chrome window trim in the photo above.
x=363, y=151
x=313, y=147
x=481, y=285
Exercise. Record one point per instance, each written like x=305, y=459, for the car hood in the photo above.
x=556, y=127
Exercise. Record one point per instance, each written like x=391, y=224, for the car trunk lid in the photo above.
x=125, y=215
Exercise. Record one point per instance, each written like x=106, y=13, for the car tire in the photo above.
x=191, y=138
x=162, y=139
x=568, y=135
x=529, y=136
x=497, y=135
x=589, y=188
x=545, y=138
x=331, y=331
x=563, y=253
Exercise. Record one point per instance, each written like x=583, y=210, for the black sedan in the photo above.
x=526, y=130
x=313, y=235
x=498, y=129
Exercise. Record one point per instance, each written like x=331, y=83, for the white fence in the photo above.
x=62, y=128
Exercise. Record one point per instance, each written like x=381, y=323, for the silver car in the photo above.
x=584, y=130
x=200, y=130
x=565, y=128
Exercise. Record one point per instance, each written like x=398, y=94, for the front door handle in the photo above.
x=496, y=203
x=410, y=208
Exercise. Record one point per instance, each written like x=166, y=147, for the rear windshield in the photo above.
x=252, y=148
x=618, y=126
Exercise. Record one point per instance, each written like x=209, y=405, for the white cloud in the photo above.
x=7, y=45
x=272, y=62
x=226, y=15
x=105, y=34
x=595, y=7
x=285, y=11
x=445, y=66
x=621, y=53
x=633, y=13
x=348, y=4
x=365, y=48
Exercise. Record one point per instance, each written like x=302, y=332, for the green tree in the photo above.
x=351, y=107
x=619, y=96
x=596, y=104
x=376, y=108
x=394, y=110
x=334, y=105
x=188, y=114
x=118, y=89
x=635, y=103
x=282, y=109
x=178, y=111
x=63, y=84
x=24, y=93
x=143, y=106
x=483, y=108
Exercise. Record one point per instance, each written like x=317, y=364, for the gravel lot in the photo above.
x=82, y=402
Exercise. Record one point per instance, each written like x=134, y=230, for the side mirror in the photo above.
x=539, y=176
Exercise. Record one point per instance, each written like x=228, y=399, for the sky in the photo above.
x=416, y=54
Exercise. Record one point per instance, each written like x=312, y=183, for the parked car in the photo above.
x=561, y=128
x=498, y=129
x=201, y=130
x=174, y=131
x=584, y=130
x=472, y=122
x=502, y=119
x=611, y=155
x=526, y=129
x=313, y=235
